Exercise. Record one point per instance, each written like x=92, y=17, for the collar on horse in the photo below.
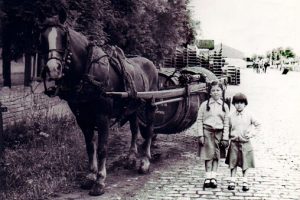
x=116, y=60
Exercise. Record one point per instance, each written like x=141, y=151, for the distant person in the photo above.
x=213, y=124
x=242, y=127
x=266, y=65
x=255, y=67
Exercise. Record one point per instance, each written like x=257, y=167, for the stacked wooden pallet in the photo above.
x=204, y=62
x=191, y=56
x=168, y=62
x=217, y=64
x=179, y=58
x=234, y=75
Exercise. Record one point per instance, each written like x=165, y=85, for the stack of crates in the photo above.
x=180, y=58
x=218, y=63
x=191, y=56
x=168, y=62
x=234, y=74
x=204, y=62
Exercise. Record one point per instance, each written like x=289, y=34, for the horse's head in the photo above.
x=54, y=44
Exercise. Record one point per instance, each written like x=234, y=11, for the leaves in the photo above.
x=149, y=28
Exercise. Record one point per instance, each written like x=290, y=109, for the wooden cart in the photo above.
x=179, y=97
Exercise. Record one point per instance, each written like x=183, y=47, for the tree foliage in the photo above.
x=149, y=28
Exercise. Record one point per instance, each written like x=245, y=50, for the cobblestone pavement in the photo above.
x=274, y=99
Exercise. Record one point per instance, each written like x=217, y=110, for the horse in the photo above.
x=82, y=74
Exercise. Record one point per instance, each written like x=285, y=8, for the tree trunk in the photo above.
x=6, y=66
x=27, y=73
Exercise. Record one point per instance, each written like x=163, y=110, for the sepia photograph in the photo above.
x=149, y=100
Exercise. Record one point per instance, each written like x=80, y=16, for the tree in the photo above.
x=149, y=28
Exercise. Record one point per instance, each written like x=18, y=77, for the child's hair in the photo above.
x=239, y=98
x=216, y=83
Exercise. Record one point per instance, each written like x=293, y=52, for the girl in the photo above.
x=240, y=153
x=213, y=125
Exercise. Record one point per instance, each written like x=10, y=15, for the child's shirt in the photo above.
x=215, y=118
x=242, y=124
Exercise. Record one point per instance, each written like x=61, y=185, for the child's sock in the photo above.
x=208, y=175
x=245, y=180
x=213, y=174
x=232, y=179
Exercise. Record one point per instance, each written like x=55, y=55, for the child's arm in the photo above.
x=257, y=126
x=200, y=120
x=226, y=124
x=254, y=128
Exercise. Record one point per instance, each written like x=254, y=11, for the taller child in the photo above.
x=213, y=126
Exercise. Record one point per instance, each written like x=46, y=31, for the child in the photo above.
x=240, y=153
x=213, y=125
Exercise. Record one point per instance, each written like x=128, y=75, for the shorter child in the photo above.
x=242, y=127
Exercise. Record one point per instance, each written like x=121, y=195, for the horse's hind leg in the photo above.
x=147, y=133
x=131, y=162
x=102, y=122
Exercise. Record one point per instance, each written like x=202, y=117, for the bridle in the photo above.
x=63, y=56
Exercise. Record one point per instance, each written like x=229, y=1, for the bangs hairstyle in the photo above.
x=239, y=98
x=216, y=83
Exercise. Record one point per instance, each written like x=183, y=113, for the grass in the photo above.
x=41, y=157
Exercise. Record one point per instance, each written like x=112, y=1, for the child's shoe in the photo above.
x=206, y=183
x=231, y=186
x=245, y=187
x=213, y=183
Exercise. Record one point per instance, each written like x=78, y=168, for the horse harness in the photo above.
x=115, y=60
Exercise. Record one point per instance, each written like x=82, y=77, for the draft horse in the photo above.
x=83, y=74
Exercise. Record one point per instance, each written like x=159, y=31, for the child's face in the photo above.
x=216, y=92
x=239, y=106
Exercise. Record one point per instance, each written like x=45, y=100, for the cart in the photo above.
x=180, y=94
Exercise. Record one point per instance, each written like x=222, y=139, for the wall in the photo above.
x=22, y=104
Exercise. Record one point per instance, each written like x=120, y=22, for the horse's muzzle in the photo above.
x=55, y=69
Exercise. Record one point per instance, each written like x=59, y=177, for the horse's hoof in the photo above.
x=97, y=190
x=87, y=184
x=89, y=181
x=144, y=167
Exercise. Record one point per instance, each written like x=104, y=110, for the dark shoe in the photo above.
x=213, y=183
x=231, y=186
x=206, y=183
x=245, y=187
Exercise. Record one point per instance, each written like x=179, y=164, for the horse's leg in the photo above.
x=148, y=134
x=87, y=129
x=131, y=162
x=102, y=122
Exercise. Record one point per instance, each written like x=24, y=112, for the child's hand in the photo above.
x=224, y=143
x=233, y=136
x=201, y=140
x=246, y=135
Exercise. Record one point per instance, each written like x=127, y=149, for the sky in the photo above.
x=251, y=26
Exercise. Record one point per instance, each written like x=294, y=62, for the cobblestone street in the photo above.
x=274, y=99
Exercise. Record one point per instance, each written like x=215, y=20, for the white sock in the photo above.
x=232, y=179
x=208, y=175
x=245, y=180
x=213, y=174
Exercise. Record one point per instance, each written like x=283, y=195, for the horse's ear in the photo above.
x=62, y=15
